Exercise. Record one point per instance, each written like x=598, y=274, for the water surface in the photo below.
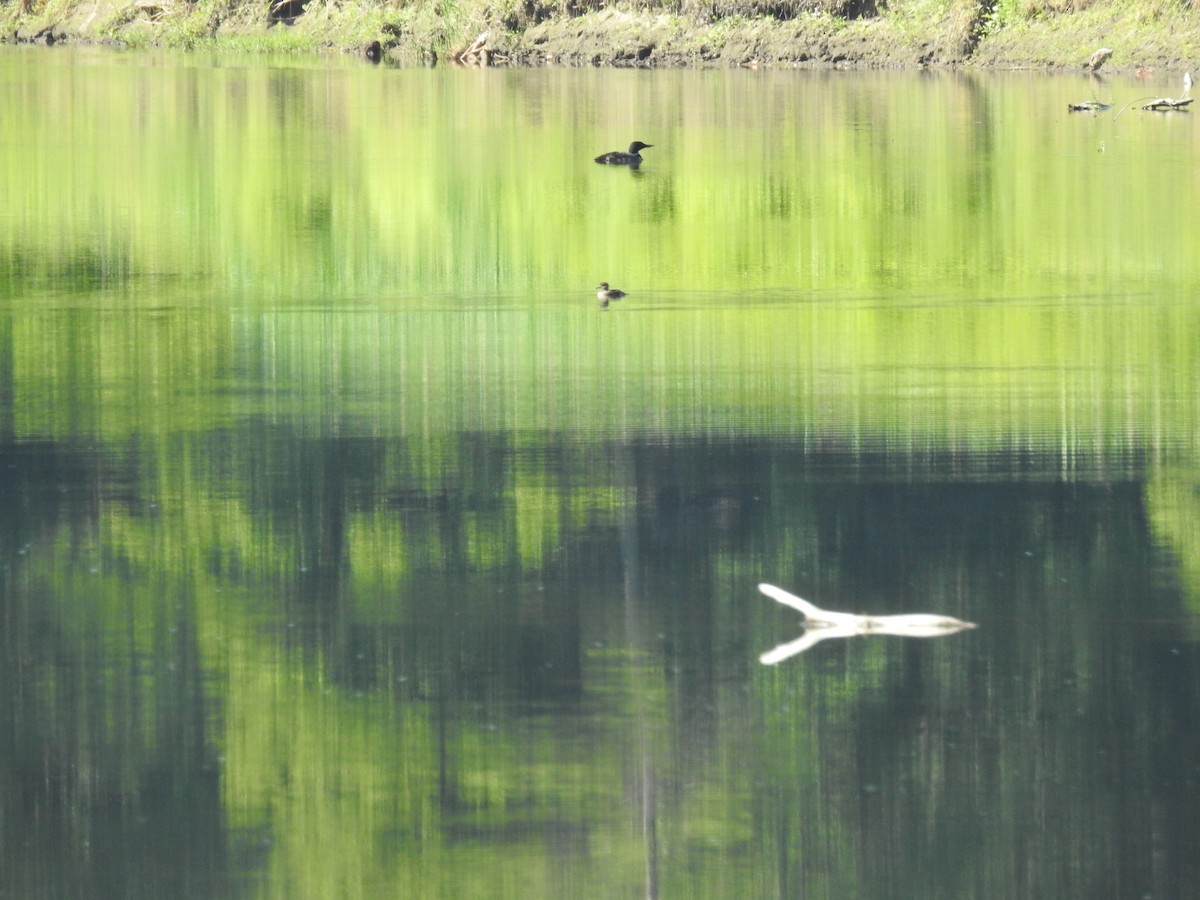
x=349, y=549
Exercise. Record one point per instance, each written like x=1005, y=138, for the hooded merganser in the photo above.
x=604, y=293
x=621, y=158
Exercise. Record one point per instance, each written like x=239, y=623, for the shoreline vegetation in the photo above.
x=1146, y=35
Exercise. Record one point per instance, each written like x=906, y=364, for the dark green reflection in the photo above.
x=329, y=668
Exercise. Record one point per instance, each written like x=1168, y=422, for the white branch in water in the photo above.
x=822, y=624
x=1163, y=103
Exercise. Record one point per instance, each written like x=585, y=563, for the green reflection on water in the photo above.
x=298, y=185
x=350, y=550
x=1069, y=378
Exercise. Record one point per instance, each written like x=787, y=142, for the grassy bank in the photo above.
x=663, y=33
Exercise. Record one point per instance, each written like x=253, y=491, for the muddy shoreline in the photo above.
x=615, y=38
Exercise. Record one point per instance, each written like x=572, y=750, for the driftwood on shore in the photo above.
x=1097, y=59
x=1165, y=104
x=478, y=53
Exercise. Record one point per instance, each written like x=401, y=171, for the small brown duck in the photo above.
x=604, y=293
x=621, y=158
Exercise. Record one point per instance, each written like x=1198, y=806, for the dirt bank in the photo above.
x=616, y=38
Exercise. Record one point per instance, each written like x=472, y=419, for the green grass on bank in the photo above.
x=1041, y=33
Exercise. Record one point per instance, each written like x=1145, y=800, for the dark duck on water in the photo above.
x=622, y=158
x=604, y=293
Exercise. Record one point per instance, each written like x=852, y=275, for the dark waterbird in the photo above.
x=604, y=293
x=622, y=158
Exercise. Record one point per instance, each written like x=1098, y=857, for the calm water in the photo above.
x=348, y=548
